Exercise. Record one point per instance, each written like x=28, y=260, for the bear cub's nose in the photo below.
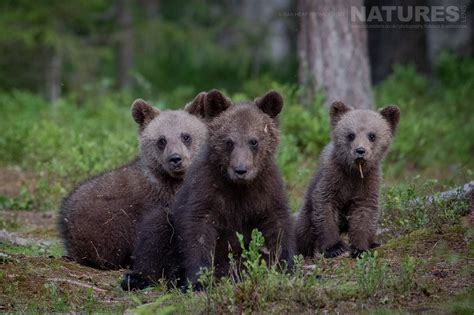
x=360, y=151
x=175, y=160
x=240, y=171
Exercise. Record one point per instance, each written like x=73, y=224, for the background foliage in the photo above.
x=65, y=144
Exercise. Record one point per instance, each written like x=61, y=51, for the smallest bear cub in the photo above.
x=343, y=194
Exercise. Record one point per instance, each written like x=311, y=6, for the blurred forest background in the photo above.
x=159, y=48
x=70, y=69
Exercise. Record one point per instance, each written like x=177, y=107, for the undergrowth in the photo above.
x=66, y=143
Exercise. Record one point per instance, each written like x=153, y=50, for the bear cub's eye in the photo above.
x=351, y=136
x=162, y=142
x=372, y=136
x=229, y=144
x=253, y=143
x=186, y=138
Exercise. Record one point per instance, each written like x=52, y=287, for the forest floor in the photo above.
x=428, y=270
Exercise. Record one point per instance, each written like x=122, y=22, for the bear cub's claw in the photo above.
x=355, y=252
x=134, y=281
x=335, y=250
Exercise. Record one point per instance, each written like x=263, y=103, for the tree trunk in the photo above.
x=332, y=53
x=53, y=76
x=125, y=44
x=454, y=39
x=396, y=45
x=152, y=7
x=263, y=15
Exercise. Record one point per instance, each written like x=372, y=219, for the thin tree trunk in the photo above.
x=125, y=44
x=333, y=54
x=395, y=45
x=152, y=7
x=53, y=76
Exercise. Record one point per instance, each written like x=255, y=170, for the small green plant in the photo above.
x=162, y=306
x=253, y=272
x=254, y=267
x=24, y=201
x=371, y=273
x=60, y=299
x=408, y=266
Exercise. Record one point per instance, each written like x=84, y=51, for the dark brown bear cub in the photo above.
x=234, y=186
x=343, y=194
x=98, y=219
x=156, y=254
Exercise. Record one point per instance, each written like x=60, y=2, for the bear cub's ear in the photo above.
x=392, y=115
x=143, y=113
x=208, y=104
x=196, y=107
x=271, y=103
x=336, y=111
x=215, y=103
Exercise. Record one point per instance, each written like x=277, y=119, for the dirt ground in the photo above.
x=35, y=276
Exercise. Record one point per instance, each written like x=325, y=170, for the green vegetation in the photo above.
x=232, y=49
x=67, y=143
x=425, y=261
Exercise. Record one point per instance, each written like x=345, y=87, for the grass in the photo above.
x=422, y=269
x=425, y=261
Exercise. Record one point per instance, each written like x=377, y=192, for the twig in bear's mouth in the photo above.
x=360, y=170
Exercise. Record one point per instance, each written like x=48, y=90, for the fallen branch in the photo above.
x=471, y=210
x=16, y=240
x=78, y=283
x=463, y=192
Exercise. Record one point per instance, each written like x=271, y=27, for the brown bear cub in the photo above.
x=156, y=254
x=234, y=186
x=98, y=219
x=343, y=194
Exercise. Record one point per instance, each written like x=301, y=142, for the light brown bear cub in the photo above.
x=343, y=194
x=98, y=219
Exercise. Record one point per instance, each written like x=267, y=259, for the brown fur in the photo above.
x=234, y=186
x=338, y=199
x=156, y=254
x=208, y=105
x=98, y=219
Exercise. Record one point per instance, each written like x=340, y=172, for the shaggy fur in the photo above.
x=156, y=254
x=235, y=186
x=98, y=219
x=343, y=194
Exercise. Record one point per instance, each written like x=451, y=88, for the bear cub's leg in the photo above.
x=327, y=222
x=362, y=229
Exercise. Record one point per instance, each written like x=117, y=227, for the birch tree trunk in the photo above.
x=53, y=75
x=125, y=44
x=333, y=54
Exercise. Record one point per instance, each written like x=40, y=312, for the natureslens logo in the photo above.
x=399, y=16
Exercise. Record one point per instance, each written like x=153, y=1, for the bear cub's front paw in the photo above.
x=355, y=252
x=335, y=250
x=134, y=281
